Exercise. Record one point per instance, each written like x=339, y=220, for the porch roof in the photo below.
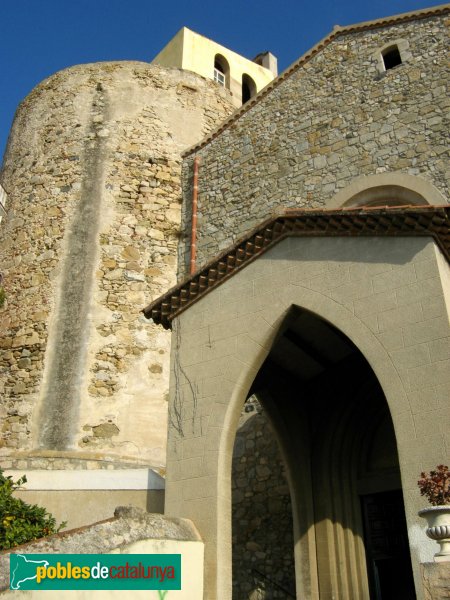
x=397, y=221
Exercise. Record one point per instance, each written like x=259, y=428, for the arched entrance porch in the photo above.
x=386, y=294
x=328, y=412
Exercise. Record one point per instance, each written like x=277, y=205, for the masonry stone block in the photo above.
x=376, y=303
x=397, y=317
x=99, y=170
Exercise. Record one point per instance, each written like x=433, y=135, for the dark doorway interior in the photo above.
x=337, y=447
x=248, y=88
x=387, y=551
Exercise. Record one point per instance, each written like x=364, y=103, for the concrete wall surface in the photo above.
x=82, y=497
x=385, y=294
x=172, y=53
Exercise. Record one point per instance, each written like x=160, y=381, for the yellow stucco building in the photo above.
x=193, y=52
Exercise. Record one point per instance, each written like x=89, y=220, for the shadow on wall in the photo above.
x=336, y=437
x=263, y=556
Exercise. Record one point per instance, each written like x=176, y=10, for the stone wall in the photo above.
x=131, y=531
x=334, y=119
x=263, y=545
x=92, y=172
x=436, y=580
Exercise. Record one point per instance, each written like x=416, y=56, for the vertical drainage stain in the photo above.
x=61, y=399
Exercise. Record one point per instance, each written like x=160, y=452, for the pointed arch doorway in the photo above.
x=224, y=333
x=327, y=411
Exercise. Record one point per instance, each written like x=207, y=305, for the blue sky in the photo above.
x=40, y=37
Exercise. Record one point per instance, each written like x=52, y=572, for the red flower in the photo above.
x=435, y=485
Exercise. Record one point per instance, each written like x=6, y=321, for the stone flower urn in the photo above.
x=438, y=520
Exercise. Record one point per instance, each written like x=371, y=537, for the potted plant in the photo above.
x=435, y=485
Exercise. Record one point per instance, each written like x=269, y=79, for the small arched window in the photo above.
x=386, y=195
x=392, y=54
x=221, y=71
x=2, y=203
x=391, y=57
x=248, y=88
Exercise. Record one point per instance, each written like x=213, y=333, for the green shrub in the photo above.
x=2, y=296
x=21, y=522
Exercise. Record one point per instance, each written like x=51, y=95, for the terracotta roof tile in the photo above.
x=430, y=221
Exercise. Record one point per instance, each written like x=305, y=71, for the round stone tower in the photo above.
x=92, y=172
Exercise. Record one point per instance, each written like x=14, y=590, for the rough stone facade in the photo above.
x=334, y=118
x=263, y=560
x=95, y=191
x=92, y=172
x=436, y=580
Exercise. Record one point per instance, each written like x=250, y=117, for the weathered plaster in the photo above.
x=93, y=173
